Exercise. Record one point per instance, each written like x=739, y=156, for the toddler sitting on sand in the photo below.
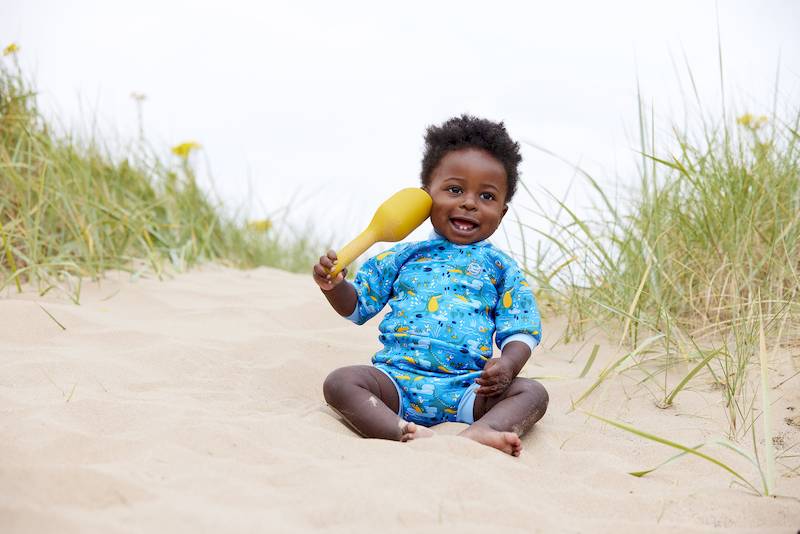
x=448, y=296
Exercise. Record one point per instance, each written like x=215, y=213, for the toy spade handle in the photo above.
x=353, y=250
x=394, y=219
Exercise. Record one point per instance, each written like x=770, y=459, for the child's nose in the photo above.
x=468, y=202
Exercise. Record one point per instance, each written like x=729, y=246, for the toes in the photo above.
x=413, y=431
x=409, y=430
x=514, y=443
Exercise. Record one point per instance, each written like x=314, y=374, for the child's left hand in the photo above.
x=496, y=377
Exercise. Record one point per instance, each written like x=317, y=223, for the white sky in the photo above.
x=326, y=102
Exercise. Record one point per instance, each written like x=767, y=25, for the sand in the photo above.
x=194, y=404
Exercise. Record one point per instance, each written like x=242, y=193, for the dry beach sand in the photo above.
x=194, y=405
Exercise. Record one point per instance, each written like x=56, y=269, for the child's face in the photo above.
x=468, y=188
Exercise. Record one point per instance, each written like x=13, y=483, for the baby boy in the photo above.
x=449, y=295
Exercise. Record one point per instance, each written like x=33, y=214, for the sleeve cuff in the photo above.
x=355, y=316
x=525, y=338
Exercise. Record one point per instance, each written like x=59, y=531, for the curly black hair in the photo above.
x=467, y=131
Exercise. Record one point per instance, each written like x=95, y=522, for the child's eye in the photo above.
x=453, y=189
x=487, y=196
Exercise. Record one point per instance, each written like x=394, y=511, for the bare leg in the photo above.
x=501, y=420
x=367, y=400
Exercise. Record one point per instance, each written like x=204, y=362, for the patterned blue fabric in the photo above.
x=447, y=301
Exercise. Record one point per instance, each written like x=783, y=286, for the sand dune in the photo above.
x=195, y=405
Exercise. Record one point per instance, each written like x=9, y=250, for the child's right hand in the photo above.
x=322, y=271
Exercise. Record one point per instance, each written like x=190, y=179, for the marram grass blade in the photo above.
x=52, y=317
x=635, y=301
x=766, y=412
x=609, y=369
x=644, y=472
x=10, y=258
x=590, y=361
x=674, y=445
x=689, y=376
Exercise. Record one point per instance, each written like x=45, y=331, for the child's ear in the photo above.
x=505, y=210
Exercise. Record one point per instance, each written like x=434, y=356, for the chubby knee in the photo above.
x=333, y=385
x=337, y=383
x=535, y=391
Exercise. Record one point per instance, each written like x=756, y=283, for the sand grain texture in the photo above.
x=195, y=404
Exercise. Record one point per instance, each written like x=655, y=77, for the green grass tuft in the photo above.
x=704, y=249
x=69, y=210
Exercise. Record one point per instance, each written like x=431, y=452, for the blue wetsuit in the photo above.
x=447, y=301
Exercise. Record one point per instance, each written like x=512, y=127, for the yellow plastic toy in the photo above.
x=397, y=217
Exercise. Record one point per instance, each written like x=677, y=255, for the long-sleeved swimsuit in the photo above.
x=447, y=301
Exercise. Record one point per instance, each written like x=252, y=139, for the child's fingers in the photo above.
x=326, y=262
x=489, y=391
x=495, y=387
x=486, y=381
x=320, y=270
x=490, y=372
x=332, y=255
x=339, y=277
x=323, y=278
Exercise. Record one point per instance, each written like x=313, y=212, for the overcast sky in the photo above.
x=326, y=102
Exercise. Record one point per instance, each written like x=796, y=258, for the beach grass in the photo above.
x=696, y=272
x=704, y=253
x=70, y=210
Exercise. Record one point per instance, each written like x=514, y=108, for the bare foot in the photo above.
x=414, y=431
x=508, y=442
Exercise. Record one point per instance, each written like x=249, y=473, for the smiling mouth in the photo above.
x=463, y=225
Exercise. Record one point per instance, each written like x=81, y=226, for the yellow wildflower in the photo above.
x=751, y=122
x=261, y=225
x=11, y=49
x=184, y=149
x=745, y=119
